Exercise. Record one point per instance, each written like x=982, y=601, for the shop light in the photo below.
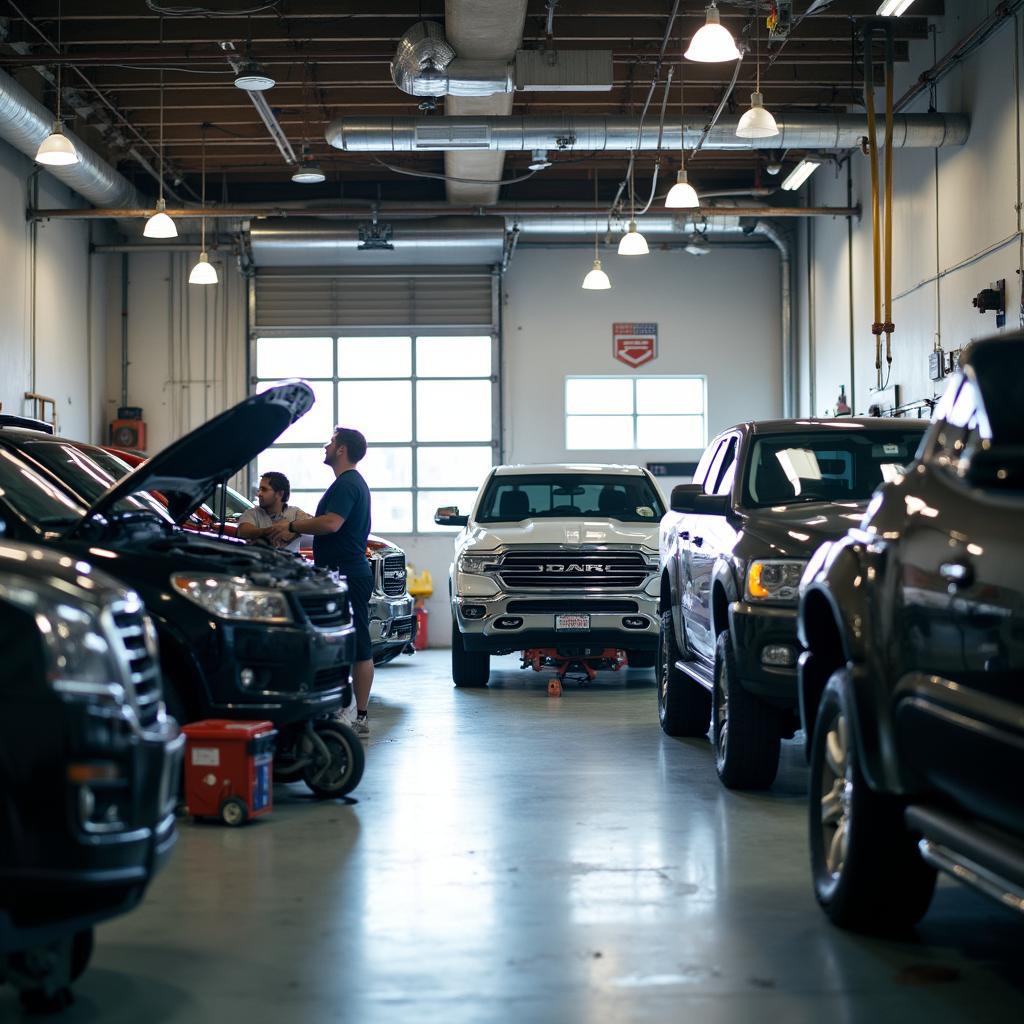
x=596, y=280
x=800, y=174
x=632, y=243
x=712, y=43
x=160, y=224
x=203, y=272
x=893, y=8
x=56, y=150
x=252, y=77
x=757, y=123
x=682, y=195
x=309, y=173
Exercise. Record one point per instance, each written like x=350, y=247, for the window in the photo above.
x=512, y=498
x=425, y=403
x=635, y=412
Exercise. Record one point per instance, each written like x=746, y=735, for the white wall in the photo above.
x=52, y=297
x=950, y=205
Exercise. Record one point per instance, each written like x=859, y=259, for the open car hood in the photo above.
x=187, y=470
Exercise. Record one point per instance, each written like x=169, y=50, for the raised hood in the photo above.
x=187, y=470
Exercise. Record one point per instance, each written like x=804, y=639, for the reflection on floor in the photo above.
x=510, y=856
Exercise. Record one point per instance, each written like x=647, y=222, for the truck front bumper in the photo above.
x=766, y=649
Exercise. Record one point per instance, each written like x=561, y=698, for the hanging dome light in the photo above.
x=204, y=272
x=160, y=225
x=596, y=280
x=757, y=123
x=712, y=43
x=632, y=243
x=309, y=172
x=252, y=77
x=57, y=150
x=682, y=195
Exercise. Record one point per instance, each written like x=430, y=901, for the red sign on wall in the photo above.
x=635, y=344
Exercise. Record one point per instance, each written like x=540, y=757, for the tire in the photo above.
x=684, y=706
x=341, y=774
x=745, y=731
x=81, y=952
x=233, y=812
x=641, y=659
x=867, y=872
x=469, y=668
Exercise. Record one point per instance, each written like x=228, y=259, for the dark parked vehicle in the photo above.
x=89, y=764
x=246, y=632
x=732, y=551
x=912, y=678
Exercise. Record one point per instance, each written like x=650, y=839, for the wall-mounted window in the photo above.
x=651, y=413
x=426, y=404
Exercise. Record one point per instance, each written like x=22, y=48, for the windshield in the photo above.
x=833, y=465
x=30, y=494
x=510, y=499
x=89, y=472
x=235, y=506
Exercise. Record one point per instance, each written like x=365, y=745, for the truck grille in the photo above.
x=603, y=570
x=558, y=606
x=330, y=678
x=143, y=670
x=325, y=611
x=392, y=575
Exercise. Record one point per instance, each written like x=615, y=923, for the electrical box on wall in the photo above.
x=937, y=364
x=128, y=430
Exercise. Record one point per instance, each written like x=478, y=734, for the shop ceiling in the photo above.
x=331, y=61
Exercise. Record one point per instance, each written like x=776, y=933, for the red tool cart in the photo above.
x=229, y=769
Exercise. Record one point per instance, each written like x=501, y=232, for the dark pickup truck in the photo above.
x=732, y=552
x=912, y=675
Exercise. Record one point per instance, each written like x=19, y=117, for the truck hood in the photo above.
x=187, y=470
x=566, y=533
x=795, y=531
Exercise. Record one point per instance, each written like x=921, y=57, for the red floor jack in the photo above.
x=587, y=664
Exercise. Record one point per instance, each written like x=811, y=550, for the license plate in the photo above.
x=571, y=623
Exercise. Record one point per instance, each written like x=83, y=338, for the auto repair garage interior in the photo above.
x=508, y=232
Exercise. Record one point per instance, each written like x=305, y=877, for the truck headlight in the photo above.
x=773, y=579
x=475, y=564
x=231, y=597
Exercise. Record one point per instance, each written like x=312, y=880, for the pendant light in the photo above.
x=309, y=171
x=160, y=225
x=596, y=279
x=632, y=243
x=712, y=43
x=682, y=195
x=204, y=271
x=757, y=123
x=57, y=150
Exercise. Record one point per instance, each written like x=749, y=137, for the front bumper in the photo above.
x=517, y=621
x=753, y=628
x=391, y=621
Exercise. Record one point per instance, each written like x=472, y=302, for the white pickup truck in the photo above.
x=560, y=559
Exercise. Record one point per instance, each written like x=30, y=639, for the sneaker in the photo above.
x=361, y=726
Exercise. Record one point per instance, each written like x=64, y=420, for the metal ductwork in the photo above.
x=25, y=122
x=568, y=133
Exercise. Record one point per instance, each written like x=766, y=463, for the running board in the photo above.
x=979, y=856
x=698, y=672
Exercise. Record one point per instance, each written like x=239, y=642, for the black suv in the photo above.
x=912, y=677
x=732, y=551
x=246, y=632
x=89, y=765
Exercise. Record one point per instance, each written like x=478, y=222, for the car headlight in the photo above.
x=474, y=563
x=231, y=597
x=773, y=579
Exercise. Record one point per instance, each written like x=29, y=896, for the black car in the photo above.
x=246, y=632
x=89, y=764
x=732, y=551
x=912, y=677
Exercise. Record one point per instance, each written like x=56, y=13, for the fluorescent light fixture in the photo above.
x=800, y=174
x=893, y=8
x=632, y=243
x=597, y=279
x=160, y=225
x=712, y=43
x=57, y=150
x=682, y=195
x=203, y=272
x=253, y=78
x=757, y=123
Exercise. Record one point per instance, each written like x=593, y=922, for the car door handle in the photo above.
x=957, y=574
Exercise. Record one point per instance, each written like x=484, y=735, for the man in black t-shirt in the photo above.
x=339, y=530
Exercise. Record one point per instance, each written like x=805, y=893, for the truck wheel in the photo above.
x=641, y=659
x=745, y=731
x=469, y=668
x=338, y=770
x=81, y=952
x=684, y=706
x=233, y=812
x=867, y=872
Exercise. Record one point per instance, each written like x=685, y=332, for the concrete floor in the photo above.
x=515, y=857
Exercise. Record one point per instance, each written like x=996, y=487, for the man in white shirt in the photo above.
x=272, y=497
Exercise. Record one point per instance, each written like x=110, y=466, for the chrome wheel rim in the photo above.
x=721, y=716
x=232, y=814
x=662, y=680
x=836, y=796
x=330, y=772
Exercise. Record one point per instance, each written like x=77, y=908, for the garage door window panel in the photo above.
x=453, y=410
x=294, y=357
x=374, y=357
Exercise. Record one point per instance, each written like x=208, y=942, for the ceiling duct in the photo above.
x=25, y=122
x=568, y=133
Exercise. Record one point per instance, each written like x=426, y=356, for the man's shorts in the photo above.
x=359, y=590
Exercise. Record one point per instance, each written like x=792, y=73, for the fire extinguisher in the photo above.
x=420, y=642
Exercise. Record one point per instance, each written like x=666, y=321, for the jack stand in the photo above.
x=588, y=663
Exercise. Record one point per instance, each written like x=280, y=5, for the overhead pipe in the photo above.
x=568, y=132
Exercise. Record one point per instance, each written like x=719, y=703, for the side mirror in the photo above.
x=684, y=496
x=711, y=504
x=1000, y=466
x=449, y=516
